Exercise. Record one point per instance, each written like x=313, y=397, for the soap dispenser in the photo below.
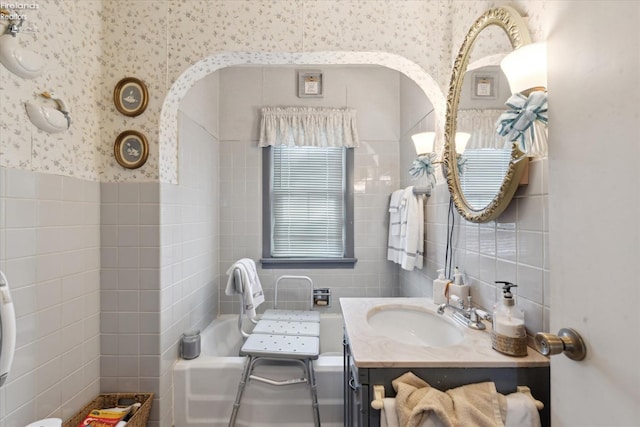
x=440, y=288
x=509, y=335
x=459, y=288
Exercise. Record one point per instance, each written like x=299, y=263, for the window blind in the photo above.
x=308, y=202
x=484, y=172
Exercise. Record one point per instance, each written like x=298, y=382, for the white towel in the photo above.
x=388, y=415
x=412, y=232
x=407, y=248
x=250, y=288
x=394, y=212
x=521, y=411
x=395, y=208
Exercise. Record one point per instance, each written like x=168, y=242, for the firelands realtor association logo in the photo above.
x=17, y=11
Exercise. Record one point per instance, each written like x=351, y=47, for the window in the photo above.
x=484, y=172
x=307, y=207
x=307, y=165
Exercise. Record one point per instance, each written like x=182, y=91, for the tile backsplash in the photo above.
x=513, y=247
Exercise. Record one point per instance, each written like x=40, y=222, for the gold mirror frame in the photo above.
x=516, y=30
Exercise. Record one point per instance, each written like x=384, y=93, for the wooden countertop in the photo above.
x=371, y=349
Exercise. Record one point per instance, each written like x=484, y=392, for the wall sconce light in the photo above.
x=526, y=119
x=423, y=142
x=424, y=164
x=49, y=119
x=526, y=68
x=20, y=61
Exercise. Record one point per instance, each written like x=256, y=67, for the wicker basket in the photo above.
x=110, y=400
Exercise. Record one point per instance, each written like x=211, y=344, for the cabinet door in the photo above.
x=355, y=399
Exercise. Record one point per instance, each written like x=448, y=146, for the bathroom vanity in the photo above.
x=386, y=337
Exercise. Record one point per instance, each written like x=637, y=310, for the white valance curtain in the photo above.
x=308, y=126
x=481, y=124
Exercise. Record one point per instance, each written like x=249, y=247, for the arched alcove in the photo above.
x=168, y=132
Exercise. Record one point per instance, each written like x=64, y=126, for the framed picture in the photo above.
x=310, y=84
x=131, y=149
x=484, y=85
x=131, y=96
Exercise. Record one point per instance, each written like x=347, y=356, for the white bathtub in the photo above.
x=205, y=388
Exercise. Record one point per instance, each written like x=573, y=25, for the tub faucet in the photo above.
x=468, y=316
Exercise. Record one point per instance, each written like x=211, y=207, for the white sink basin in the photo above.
x=411, y=325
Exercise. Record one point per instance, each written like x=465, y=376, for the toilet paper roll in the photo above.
x=47, y=422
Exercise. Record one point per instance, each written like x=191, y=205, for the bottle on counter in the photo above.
x=509, y=335
x=440, y=288
x=458, y=287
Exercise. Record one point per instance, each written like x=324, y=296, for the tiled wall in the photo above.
x=130, y=295
x=159, y=277
x=50, y=234
x=514, y=247
x=374, y=92
x=189, y=250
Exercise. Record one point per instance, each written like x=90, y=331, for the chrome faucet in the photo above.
x=468, y=316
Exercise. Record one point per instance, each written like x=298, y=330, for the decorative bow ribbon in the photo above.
x=524, y=111
x=423, y=166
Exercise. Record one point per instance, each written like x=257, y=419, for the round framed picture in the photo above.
x=131, y=96
x=131, y=149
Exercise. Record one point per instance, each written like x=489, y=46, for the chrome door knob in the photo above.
x=568, y=341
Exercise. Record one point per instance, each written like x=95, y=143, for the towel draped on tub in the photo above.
x=418, y=404
x=249, y=287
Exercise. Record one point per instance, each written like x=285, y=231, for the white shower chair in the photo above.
x=282, y=335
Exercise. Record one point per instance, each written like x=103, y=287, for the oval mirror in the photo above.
x=483, y=169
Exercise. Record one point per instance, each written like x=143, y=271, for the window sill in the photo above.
x=272, y=263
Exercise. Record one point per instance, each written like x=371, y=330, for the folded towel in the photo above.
x=388, y=416
x=250, y=287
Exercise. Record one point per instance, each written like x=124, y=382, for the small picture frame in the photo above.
x=310, y=84
x=130, y=96
x=485, y=86
x=131, y=149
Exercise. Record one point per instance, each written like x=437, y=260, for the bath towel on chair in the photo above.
x=250, y=287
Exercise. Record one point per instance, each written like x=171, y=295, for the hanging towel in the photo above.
x=418, y=404
x=521, y=411
x=395, y=208
x=388, y=416
x=412, y=230
x=250, y=288
x=394, y=212
x=479, y=405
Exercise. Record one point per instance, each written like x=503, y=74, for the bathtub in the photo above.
x=205, y=388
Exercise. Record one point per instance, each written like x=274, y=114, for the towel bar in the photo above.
x=526, y=390
x=379, y=395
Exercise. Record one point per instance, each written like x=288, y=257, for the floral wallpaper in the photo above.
x=89, y=45
x=56, y=31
